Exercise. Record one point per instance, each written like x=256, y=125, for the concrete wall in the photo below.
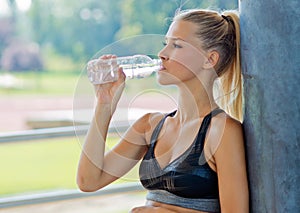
x=270, y=37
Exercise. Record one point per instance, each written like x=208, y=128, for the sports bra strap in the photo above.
x=203, y=128
x=157, y=129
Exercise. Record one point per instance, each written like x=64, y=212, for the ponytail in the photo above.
x=231, y=78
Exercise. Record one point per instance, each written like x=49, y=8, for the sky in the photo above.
x=23, y=6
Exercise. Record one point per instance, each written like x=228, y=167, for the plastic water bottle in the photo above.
x=102, y=71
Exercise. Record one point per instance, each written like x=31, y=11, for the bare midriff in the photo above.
x=172, y=207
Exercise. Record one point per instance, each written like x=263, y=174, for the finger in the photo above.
x=105, y=62
x=121, y=74
x=108, y=56
x=108, y=60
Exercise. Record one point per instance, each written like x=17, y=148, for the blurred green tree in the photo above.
x=75, y=28
x=79, y=29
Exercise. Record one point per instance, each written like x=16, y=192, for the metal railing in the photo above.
x=37, y=198
x=56, y=132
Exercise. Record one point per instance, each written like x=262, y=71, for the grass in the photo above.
x=41, y=165
x=45, y=83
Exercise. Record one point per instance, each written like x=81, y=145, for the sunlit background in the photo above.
x=22, y=5
x=44, y=46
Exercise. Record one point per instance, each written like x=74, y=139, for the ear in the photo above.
x=211, y=60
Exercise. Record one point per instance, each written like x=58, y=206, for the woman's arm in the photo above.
x=231, y=168
x=97, y=169
x=90, y=168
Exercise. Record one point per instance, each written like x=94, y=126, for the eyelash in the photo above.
x=174, y=45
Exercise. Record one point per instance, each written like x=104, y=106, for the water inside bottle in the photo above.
x=141, y=70
x=105, y=70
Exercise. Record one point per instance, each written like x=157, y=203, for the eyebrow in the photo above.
x=174, y=38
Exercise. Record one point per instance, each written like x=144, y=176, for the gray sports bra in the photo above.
x=188, y=181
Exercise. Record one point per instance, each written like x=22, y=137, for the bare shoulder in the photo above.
x=232, y=124
x=225, y=126
x=148, y=120
x=233, y=131
x=224, y=118
x=225, y=133
x=228, y=136
x=143, y=127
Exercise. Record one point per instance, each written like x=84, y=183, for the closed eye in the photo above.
x=174, y=45
x=177, y=46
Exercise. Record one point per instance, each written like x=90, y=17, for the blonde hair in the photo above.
x=221, y=32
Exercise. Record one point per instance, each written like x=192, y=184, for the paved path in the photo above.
x=15, y=111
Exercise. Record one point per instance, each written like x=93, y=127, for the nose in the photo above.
x=163, y=54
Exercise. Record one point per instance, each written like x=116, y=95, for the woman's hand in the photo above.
x=110, y=93
x=150, y=209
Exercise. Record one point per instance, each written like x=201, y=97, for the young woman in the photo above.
x=193, y=158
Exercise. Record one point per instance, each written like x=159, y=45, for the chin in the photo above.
x=165, y=78
x=166, y=82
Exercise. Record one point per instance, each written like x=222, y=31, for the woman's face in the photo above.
x=182, y=57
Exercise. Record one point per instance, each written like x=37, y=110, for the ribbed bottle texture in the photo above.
x=102, y=71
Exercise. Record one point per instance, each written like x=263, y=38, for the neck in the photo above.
x=195, y=100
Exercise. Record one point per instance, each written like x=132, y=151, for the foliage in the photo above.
x=81, y=28
x=74, y=28
x=19, y=56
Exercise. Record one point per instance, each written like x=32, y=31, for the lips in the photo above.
x=161, y=68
